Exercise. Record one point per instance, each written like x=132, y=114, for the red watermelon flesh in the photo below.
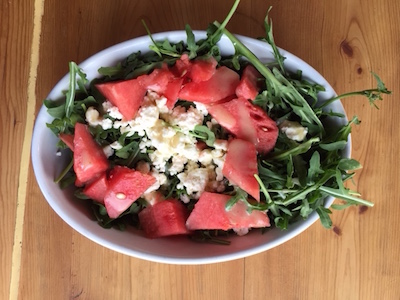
x=202, y=69
x=172, y=91
x=210, y=213
x=249, y=83
x=125, y=186
x=246, y=121
x=68, y=140
x=97, y=189
x=182, y=65
x=89, y=158
x=157, y=81
x=127, y=95
x=221, y=85
x=165, y=218
x=241, y=165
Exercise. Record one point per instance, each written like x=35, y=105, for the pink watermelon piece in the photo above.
x=157, y=81
x=97, y=189
x=202, y=69
x=127, y=95
x=221, y=85
x=249, y=83
x=165, y=218
x=210, y=213
x=172, y=91
x=89, y=158
x=241, y=165
x=125, y=186
x=246, y=121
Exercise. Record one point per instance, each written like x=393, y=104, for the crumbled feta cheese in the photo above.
x=144, y=144
x=108, y=151
x=293, y=130
x=112, y=110
x=194, y=181
x=184, y=198
x=202, y=108
x=161, y=105
x=206, y=157
x=185, y=119
x=115, y=145
x=218, y=172
x=161, y=179
x=158, y=160
x=106, y=124
x=221, y=144
x=178, y=164
x=92, y=116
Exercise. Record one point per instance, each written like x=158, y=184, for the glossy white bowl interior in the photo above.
x=177, y=250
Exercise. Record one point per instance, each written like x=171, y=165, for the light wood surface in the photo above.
x=43, y=258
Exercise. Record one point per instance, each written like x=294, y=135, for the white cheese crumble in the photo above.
x=194, y=180
x=293, y=130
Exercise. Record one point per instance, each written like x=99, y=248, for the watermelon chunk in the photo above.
x=202, y=69
x=97, y=189
x=241, y=165
x=249, y=83
x=182, y=66
x=125, y=186
x=266, y=129
x=172, y=91
x=127, y=95
x=221, y=85
x=157, y=81
x=89, y=158
x=68, y=140
x=246, y=121
x=234, y=116
x=165, y=218
x=210, y=213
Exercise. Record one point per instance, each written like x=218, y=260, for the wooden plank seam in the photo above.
x=25, y=155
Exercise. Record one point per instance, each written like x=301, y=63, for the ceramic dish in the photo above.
x=176, y=250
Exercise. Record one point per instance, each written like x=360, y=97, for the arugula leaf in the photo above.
x=191, y=42
x=372, y=95
x=338, y=145
x=270, y=40
x=74, y=71
x=238, y=196
x=324, y=217
x=111, y=71
x=348, y=164
x=314, y=169
x=204, y=133
x=163, y=47
x=296, y=150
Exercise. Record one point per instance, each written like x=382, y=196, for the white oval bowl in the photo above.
x=175, y=250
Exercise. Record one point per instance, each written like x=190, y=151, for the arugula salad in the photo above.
x=181, y=140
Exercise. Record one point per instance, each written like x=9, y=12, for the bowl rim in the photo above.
x=96, y=59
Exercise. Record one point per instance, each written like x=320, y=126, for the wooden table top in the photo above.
x=43, y=258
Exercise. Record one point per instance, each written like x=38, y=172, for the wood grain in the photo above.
x=15, y=43
x=344, y=40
